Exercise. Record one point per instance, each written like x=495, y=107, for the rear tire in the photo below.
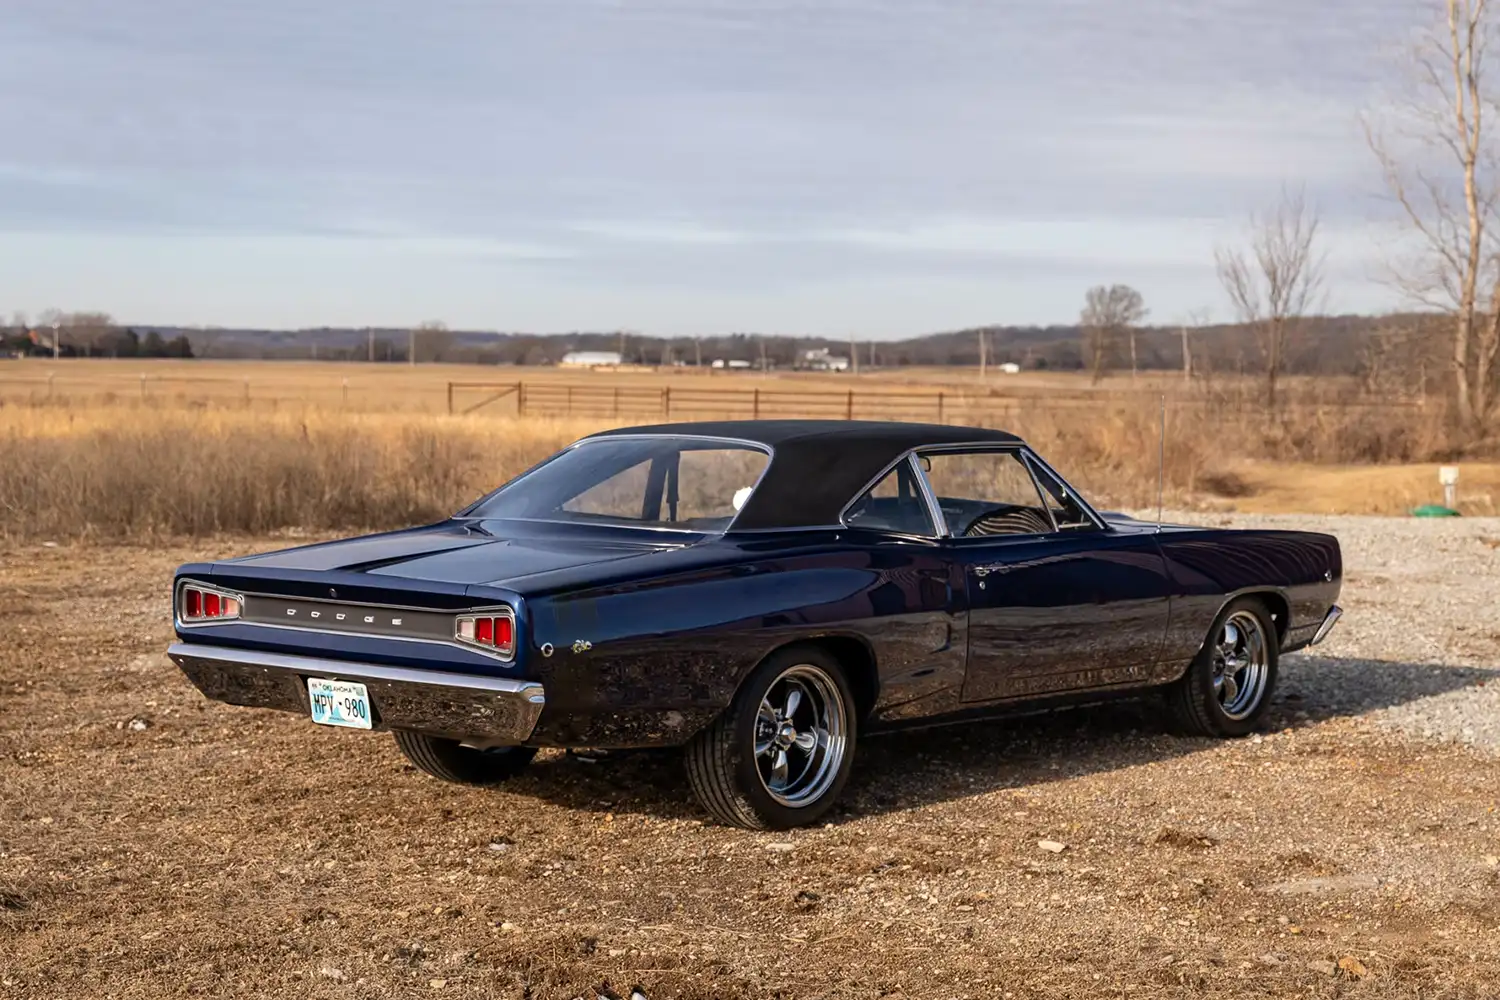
x=779, y=756
x=450, y=760
x=1227, y=689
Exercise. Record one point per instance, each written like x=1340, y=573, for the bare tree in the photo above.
x=429, y=341
x=1109, y=311
x=89, y=332
x=1443, y=169
x=1193, y=320
x=1277, y=281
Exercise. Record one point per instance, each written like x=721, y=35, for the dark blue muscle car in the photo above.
x=762, y=594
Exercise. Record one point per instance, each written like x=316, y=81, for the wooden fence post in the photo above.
x=617, y=401
x=247, y=392
x=940, y=407
x=755, y=406
x=849, y=409
x=666, y=401
x=450, y=398
x=520, y=399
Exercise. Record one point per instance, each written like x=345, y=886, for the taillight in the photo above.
x=200, y=603
x=497, y=632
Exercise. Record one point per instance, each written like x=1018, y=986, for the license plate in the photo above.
x=339, y=703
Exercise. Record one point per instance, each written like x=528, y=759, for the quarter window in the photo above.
x=986, y=493
x=1067, y=511
x=894, y=504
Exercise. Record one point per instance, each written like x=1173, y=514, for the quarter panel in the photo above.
x=1211, y=567
x=652, y=661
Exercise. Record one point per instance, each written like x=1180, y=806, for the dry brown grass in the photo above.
x=95, y=458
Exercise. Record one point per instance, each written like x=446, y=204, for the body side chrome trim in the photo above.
x=532, y=691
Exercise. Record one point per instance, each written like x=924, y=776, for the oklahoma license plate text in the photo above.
x=339, y=703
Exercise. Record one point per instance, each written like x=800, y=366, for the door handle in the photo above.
x=984, y=571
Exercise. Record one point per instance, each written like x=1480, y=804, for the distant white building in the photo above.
x=1010, y=368
x=592, y=359
x=819, y=359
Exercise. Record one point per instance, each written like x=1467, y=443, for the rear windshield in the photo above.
x=690, y=484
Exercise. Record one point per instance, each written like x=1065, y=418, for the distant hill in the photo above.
x=1324, y=345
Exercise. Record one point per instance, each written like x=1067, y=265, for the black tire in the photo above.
x=725, y=770
x=450, y=760
x=1198, y=700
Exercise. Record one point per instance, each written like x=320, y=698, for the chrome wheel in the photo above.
x=1241, y=664
x=801, y=735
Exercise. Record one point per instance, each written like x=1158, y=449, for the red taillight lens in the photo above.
x=201, y=604
x=497, y=632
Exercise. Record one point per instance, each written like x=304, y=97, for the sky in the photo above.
x=877, y=168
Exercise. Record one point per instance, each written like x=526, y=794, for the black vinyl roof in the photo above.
x=818, y=466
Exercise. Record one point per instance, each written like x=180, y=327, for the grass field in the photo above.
x=160, y=448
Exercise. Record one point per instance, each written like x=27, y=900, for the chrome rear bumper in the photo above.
x=1329, y=621
x=499, y=710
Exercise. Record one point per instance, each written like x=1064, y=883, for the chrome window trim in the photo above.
x=1070, y=489
x=494, y=611
x=1041, y=494
x=769, y=451
x=908, y=456
x=1024, y=454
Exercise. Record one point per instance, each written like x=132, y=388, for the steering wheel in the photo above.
x=1006, y=519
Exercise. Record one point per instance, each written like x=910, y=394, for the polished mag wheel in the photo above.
x=780, y=754
x=1240, y=667
x=1228, y=687
x=800, y=735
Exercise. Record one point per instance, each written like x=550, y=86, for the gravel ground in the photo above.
x=154, y=844
x=1419, y=645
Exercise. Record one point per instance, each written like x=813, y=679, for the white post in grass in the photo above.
x=1448, y=476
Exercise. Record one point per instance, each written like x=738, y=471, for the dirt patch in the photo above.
x=223, y=851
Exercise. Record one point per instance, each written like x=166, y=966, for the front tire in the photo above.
x=779, y=756
x=1228, y=688
x=450, y=760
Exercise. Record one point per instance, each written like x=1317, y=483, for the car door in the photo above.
x=1050, y=609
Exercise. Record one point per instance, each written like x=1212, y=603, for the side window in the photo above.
x=713, y=482
x=986, y=493
x=1066, y=510
x=893, y=504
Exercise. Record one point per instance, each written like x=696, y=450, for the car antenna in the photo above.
x=1161, y=460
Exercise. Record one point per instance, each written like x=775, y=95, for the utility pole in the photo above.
x=982, y=358
x=411, y=346
x=1187, y=357
x=853, y=355
x=370, y=336
x=763, y=368
x=55, y=326
x=872, y=354
x=697, y=352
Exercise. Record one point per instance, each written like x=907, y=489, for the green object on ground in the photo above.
x=1434, y=510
